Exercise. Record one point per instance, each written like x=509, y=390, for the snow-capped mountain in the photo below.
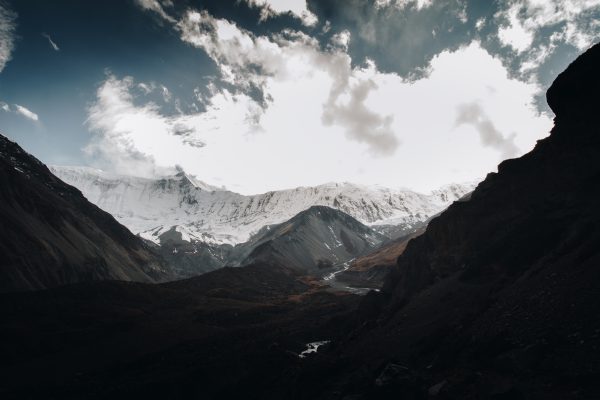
x=201, y=212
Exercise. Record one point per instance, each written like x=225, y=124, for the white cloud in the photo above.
x=270, y=8
x=26, y=112
x=316, y=101
x=157, y=7
x=515, y=34
x=419, y=4
x=7, y=30
x=527, y=17
x=265, y=62
x=51, y=42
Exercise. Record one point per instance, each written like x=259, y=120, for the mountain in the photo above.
x=200, y=212
x=51, y=235
x=312, y=241
x=370, y=270
x=499, y=298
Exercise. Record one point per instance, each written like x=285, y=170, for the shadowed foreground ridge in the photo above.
x=51, y=235
x=499, y=297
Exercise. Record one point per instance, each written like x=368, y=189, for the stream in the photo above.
x=331, y=280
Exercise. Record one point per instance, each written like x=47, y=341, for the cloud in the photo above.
x=136, y=139
x=25, y=112
x=271, y=8
x=361, y=123
x=261, y=63
x=419, y=4
x=473, y=114
x=7, y=31
x=569, y=18
x=52, y=43
x=157, y=7
x=325, y=120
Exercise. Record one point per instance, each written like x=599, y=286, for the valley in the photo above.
x=121, y=287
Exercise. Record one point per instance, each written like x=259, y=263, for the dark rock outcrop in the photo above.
x=499, y=297
x=51, y=235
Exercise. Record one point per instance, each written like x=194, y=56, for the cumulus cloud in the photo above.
x=270, y=8
x=473, y=114
x=7, y=31
x=51, y=42
x=262, y=62
x=318, y=101
x=132, y=139
x=25, y=112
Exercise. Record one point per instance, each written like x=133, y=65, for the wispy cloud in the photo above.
x=7, y=31
x=52, y=43
x=157, y=7
x=473, y=114
x=20, y=110
x=25, y=112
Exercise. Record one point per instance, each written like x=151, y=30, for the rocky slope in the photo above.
x=51, y=235
x=370, y=270
x=499, y=297
x=313, y=241
x=151, y=207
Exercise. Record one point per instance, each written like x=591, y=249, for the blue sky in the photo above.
x=259, y=95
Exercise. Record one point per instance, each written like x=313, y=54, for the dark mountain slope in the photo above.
x=499, y=297
x=371, y=269
x=51, y=235
x=313, y=240
x=230, y=333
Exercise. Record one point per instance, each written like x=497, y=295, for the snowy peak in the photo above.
x=205, y=213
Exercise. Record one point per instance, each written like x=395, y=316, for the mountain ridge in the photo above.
x=51, y=235
x=208, y=214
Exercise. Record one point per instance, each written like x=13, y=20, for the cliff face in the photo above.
x=536, y=211
x=51, y=235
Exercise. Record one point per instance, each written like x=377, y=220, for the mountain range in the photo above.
x=204, y=213
x=496, y=299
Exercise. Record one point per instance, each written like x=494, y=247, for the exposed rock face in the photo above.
x=51, y=235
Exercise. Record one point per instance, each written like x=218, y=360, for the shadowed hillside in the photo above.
x=51, y=235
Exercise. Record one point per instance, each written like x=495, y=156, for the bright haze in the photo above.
x=259, y=95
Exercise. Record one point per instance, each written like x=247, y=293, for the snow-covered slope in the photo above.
x=213, y=215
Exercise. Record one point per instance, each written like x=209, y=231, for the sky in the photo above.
x=259, y=95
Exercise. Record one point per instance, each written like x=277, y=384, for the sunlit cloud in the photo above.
x=25, y=112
